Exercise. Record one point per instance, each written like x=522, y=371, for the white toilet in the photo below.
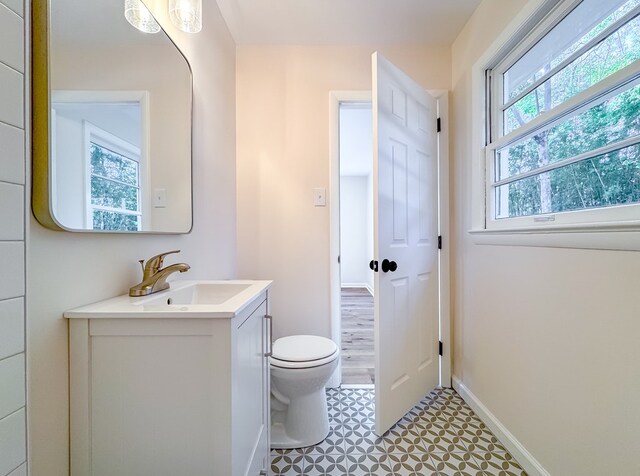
x=300, y=367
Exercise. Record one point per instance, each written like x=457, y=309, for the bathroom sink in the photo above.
x=199, y=293
x=193, y=299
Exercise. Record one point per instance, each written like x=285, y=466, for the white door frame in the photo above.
x=337, y=97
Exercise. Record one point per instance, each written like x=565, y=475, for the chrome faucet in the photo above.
x=154, y=276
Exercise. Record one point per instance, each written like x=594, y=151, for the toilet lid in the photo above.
x=303, y=348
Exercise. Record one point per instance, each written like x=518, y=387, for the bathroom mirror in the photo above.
x=111, y=115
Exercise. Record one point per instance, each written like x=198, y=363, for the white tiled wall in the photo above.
x=13, y=447
x=21, y=471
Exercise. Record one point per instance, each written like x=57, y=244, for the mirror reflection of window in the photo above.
x=113, y=198
x=99, y=160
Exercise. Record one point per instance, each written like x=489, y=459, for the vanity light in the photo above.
x=140, y=17
x=186, y=14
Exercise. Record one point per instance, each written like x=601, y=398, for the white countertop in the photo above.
x=157, y=305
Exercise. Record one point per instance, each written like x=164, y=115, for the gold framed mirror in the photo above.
x=111, y=118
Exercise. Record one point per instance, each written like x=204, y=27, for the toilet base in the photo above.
x=281, y=441
x=306, y=422
x=303, y=422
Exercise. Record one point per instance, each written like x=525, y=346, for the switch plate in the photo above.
x=160, y=198
x=319, y=197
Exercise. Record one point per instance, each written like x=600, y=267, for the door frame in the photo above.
x=335, y=99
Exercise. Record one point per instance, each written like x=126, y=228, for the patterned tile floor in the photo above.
x=439, y=436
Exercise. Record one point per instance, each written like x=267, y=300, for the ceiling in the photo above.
x=346, y=22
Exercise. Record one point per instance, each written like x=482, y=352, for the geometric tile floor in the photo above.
x=439, y=436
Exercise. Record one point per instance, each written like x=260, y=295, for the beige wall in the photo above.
x=67, y=270
x=283, y=153
x=548, y=339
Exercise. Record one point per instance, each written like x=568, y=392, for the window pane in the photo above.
x=608, y=180
x=105, y=220
x=112, y=194
x=611, y=55
x=109, y=164
x=610, y=121
x=588, y=19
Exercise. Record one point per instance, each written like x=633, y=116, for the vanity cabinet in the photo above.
x=171, y=395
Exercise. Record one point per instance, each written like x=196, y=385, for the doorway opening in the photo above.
x=356, y=244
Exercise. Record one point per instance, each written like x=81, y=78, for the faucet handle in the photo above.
x=155, y=262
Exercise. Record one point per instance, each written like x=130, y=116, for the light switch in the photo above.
x=319, y=197
x=160, y=198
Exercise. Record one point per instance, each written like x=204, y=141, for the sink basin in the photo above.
x=199, y=293
x=193, y=299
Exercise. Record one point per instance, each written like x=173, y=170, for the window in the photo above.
x=113, y=198
x=563, y=127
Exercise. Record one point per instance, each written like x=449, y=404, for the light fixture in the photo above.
x=140, y=17
x=186, y=14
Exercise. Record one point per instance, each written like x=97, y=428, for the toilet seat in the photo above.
x=303, y=351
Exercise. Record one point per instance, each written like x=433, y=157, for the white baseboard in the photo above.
x=357, y=285
x=353, y=285
x=510, y=442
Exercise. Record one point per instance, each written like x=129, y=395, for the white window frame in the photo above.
x=601, y=228
x=97, y=135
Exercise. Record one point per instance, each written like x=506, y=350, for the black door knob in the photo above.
x=389, y=265
x=373, y=264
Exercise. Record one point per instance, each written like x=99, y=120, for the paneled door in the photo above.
x=405, y=242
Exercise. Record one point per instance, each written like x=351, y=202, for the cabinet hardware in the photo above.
x=270, y=337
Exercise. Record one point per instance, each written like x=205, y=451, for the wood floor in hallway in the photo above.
x=358, y=358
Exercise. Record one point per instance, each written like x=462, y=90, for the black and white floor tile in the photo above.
x=439, y=436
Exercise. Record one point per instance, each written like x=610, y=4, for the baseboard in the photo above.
x=357, y=285
x=510, y=442
x=353, y=285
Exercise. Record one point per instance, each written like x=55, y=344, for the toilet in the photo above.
x=301, y=365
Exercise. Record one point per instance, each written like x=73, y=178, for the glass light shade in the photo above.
x=140, y=17
x=186, y=14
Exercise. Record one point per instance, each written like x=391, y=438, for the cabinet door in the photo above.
x=251, y=396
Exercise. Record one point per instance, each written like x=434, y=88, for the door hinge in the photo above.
x=439, y=347
x=440, y=242
x=438, y=125
x=338, y=259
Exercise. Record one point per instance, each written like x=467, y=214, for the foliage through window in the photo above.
x=564, y=132
x=114, y=188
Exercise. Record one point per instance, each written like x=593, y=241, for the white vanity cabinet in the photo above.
x=165, y=395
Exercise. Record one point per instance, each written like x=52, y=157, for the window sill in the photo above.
x=602, y=236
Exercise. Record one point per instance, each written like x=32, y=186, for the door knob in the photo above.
x=389, y=265
x=373, y=264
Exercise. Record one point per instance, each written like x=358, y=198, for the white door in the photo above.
x=406, y=242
